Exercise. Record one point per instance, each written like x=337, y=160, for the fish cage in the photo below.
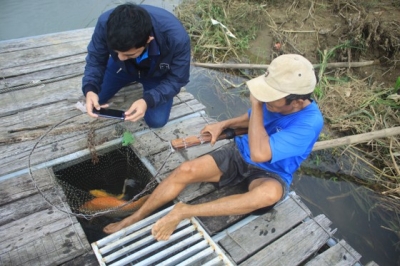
x=104, y=190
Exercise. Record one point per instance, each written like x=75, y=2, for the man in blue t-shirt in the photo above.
x=283, y=125
x=137, y=43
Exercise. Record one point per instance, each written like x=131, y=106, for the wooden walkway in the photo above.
x=40, y=83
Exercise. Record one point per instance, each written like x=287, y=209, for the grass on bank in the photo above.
x=212, y=43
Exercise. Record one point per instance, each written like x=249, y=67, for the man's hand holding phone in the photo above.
x=94, y=109
x=92, y=103
x=136, y=111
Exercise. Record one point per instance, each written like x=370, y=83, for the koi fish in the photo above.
x=104, y=201
x=100, y=193
x=128, y=191
x=107, y=203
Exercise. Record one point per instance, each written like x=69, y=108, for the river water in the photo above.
x=223, y=99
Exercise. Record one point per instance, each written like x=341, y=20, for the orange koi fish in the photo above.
x=108, y=202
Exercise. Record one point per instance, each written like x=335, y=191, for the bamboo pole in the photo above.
x=359, y=138
x=191, y=141
x=261, y=66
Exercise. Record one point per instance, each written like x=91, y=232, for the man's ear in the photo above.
x=150, y=39
x=298, y=102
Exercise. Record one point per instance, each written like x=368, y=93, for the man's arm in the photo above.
x=216, y=129
x=260, y=149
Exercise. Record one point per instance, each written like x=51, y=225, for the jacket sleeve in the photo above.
x=176, y=77
x=96, y=59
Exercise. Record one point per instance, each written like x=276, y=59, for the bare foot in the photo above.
x=164, y=227
x=114, y=227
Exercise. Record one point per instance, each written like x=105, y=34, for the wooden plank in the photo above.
x=186, y=108
x=53, y=147
x=17, y=101
x=196, y=190
x=262, y=231
x=218, y=223
x=38, y=119
x=27, y=229
x=23, y=186
x=50, y=66
x=46, y=40
x=38, y=232
x=295, y=246
x=341, y=254
x=27, y=125
x=38, y=79
x=42, y=54
x=158, y=140
x=50, y=249
x=34, y=231
x=168, y=160
x=70, y=138
x=31, y=124
x=25, y=206
x=87, y=259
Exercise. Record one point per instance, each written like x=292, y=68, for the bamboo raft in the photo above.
x=40, y=84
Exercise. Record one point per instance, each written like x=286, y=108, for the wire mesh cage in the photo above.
x=107, y=186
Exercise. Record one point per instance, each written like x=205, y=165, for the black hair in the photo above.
x=291, y=97
x=128, y=26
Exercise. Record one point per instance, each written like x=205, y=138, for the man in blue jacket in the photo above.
x=137, y=43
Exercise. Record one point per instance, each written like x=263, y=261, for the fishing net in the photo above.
x=101, y=187
x=106, y=179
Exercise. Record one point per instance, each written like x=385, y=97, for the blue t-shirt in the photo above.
x=291, y=138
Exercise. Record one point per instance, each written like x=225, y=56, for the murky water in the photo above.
x=224, y=97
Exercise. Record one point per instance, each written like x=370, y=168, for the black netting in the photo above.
x=112, y=181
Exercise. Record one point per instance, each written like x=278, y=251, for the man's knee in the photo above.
x=186, y=168
x=186, y=172
x=157, y=117
x=156, y=122
x=269, y=191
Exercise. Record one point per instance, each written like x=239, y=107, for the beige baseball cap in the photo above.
x=287, y=74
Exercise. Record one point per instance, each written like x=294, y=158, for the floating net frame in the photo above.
x=57, y=187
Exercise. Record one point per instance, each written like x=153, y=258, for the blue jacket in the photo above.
x=173, y=66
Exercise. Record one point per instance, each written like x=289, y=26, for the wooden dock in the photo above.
x=39, y=87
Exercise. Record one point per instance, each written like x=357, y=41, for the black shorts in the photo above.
x=236, y=170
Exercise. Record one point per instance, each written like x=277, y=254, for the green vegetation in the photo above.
x=212, y=42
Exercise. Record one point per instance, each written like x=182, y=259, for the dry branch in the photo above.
x=262, y=66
